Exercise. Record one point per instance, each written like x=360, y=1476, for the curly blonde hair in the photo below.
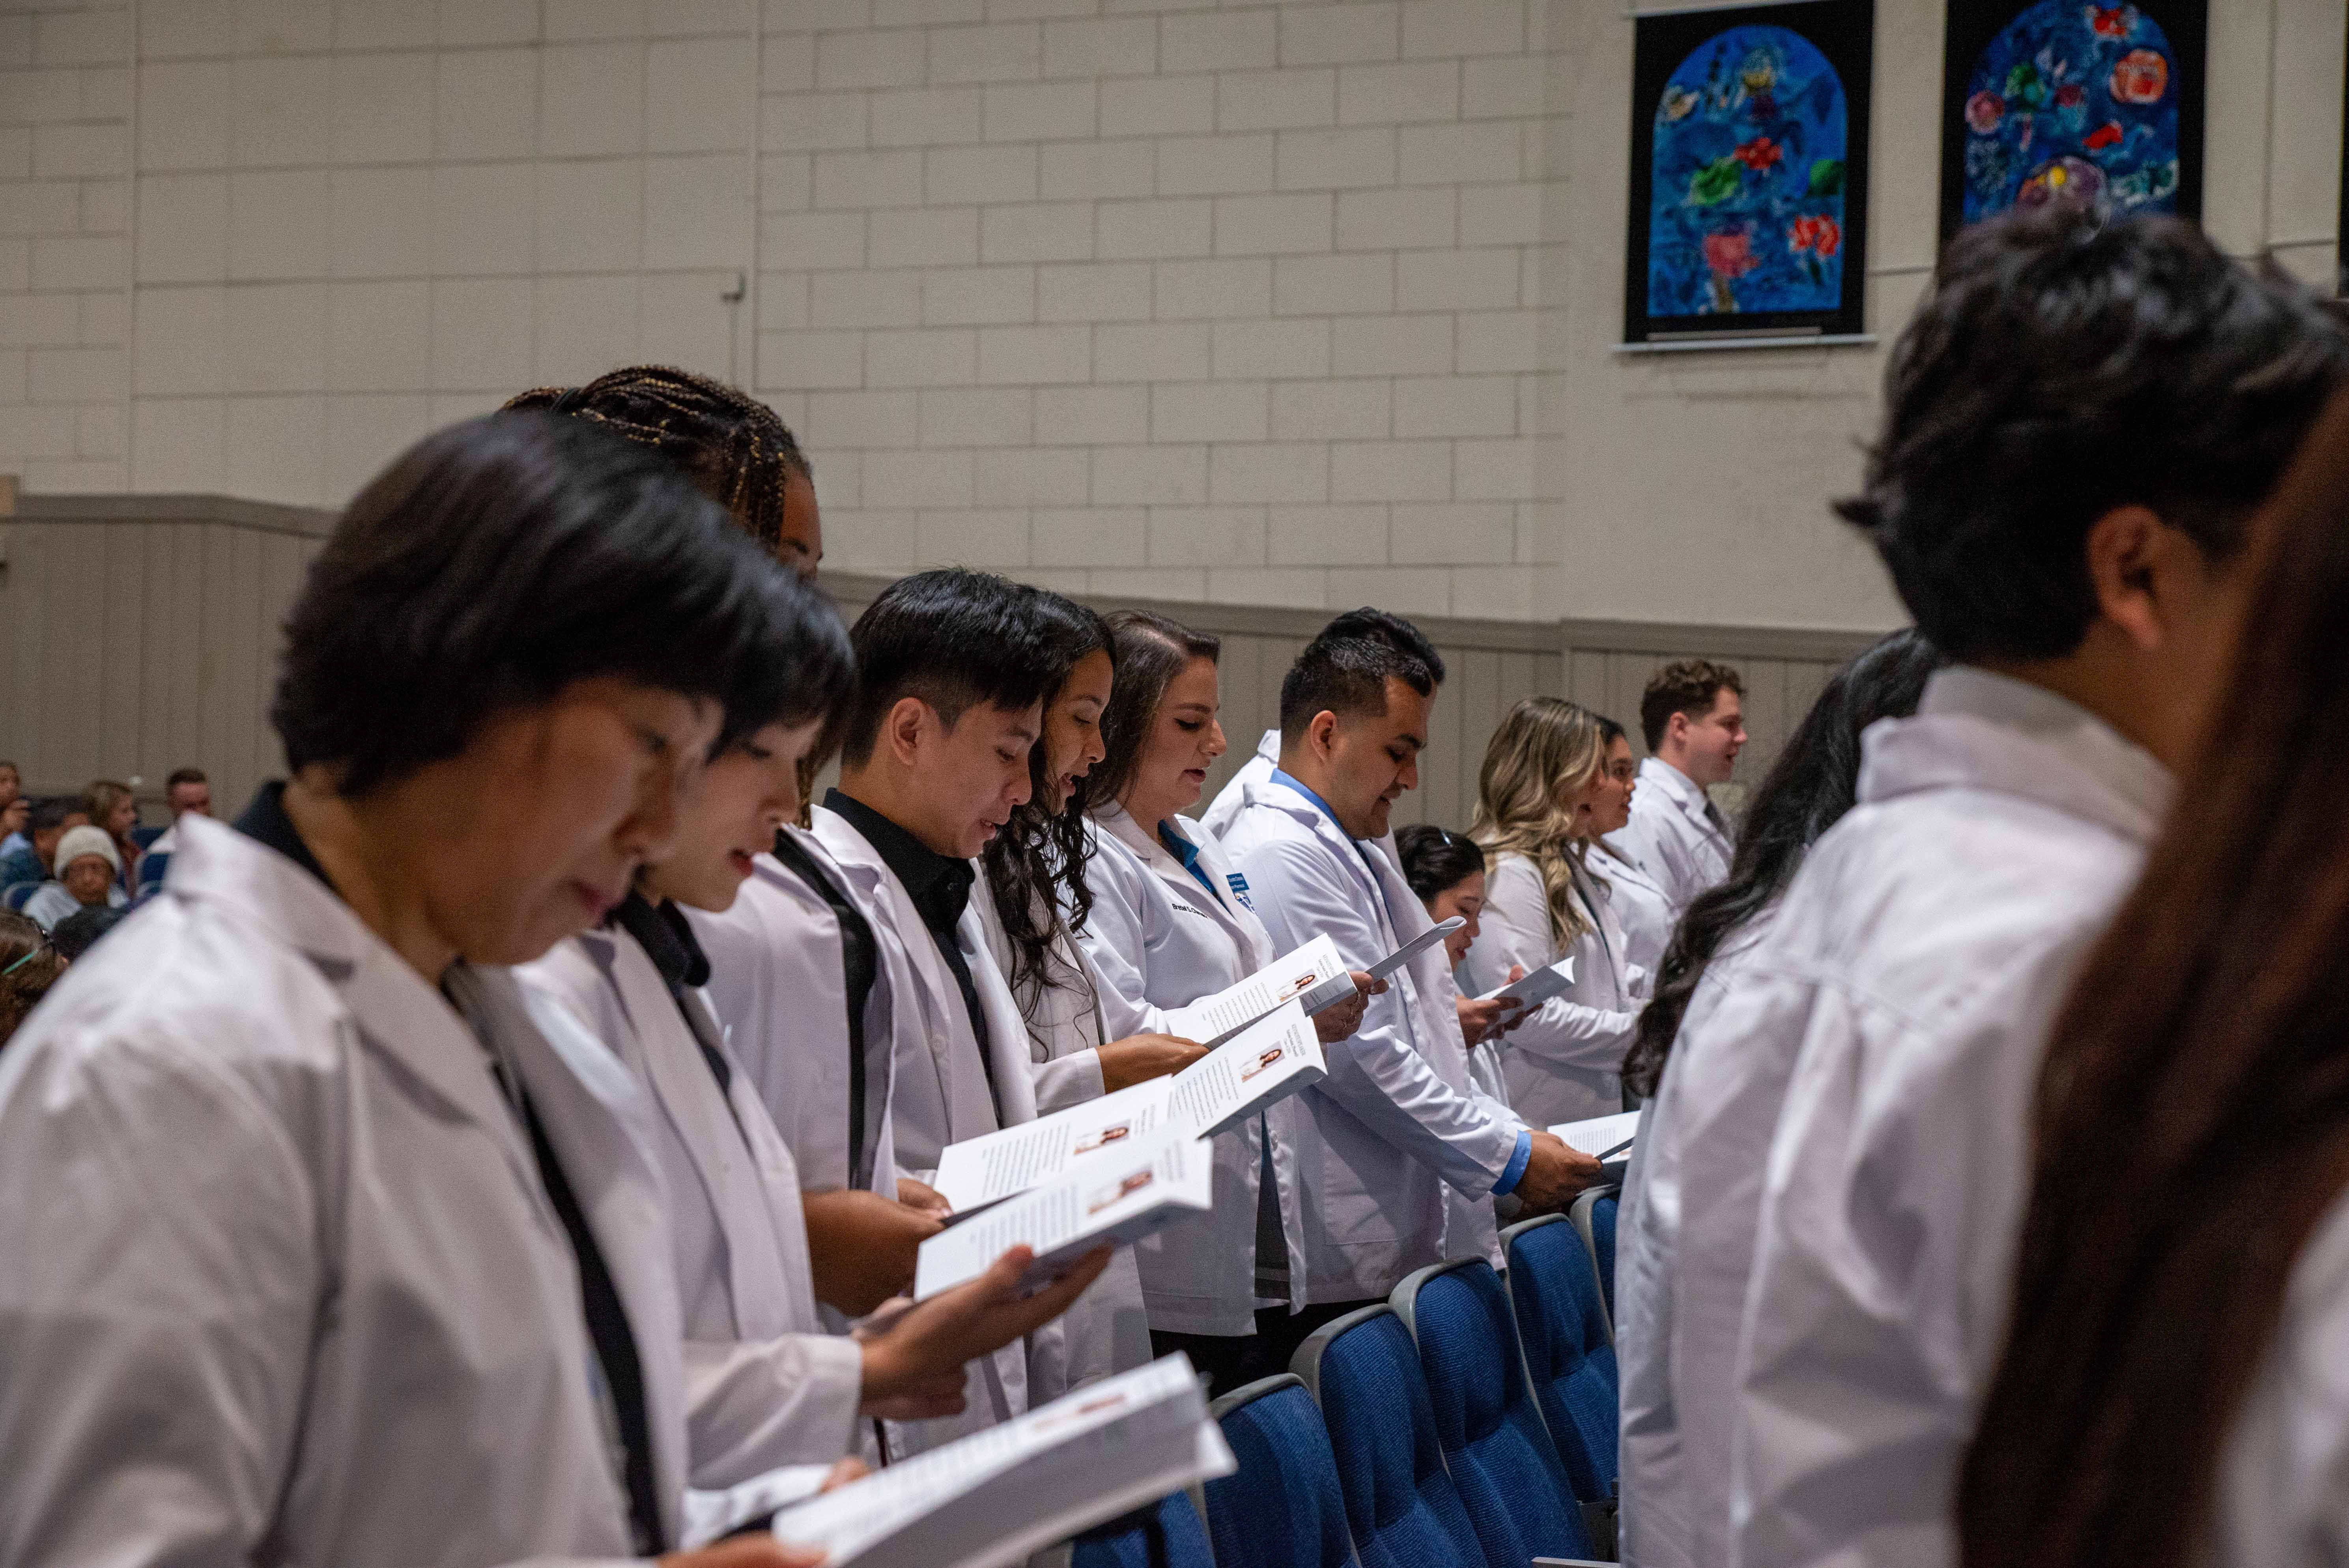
x=1545, y=753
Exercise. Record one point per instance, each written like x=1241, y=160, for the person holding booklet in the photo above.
x=313, y=1248
x=1171, y=923
x=1034, y=902
x=1353, y=715
x=1684, y=1244
x=1446, y=870
x=1540, y=796
x=800, y=981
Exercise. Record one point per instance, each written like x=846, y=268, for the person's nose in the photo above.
x=1216, y=744
x=651, y=829
x=1020, y=788
x=1409, y=776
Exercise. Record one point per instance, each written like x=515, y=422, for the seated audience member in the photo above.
x=29, y=964
x=504, y=667
x=79, y=932
x=47, y=822
x=1539, y=796
x=2169, y=1387
x=12, y=781
x=1311, y=843
x=89, y=876
x=14, y=818
x=12, y=791
x=1684, y=1244
x=1692, y=716
x=114, y=810
x=2080, y=424
x=187, y=790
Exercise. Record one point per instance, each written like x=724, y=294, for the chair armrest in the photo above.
x=1571, y=1563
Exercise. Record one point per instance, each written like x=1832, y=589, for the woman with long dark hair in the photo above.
x=1685, y=1234
x=2171, y=1390
x=1036, y=906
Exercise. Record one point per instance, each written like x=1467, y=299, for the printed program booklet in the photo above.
x=1272, y=1058
x=1314, y=975
x=996, y=1496
x=1600, y=1137
x=1137, y=1186
x=1538, y=987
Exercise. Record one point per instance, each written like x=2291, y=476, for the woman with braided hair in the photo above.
x=737, y=449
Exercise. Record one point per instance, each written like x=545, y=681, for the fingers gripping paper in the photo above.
x=1274, y=1057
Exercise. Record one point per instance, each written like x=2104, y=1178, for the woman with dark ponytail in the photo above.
x=2172, y=1390
x=1686, y=1235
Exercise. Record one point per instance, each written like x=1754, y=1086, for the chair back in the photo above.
x=1494, y=1444
x=1400, y=1505
x=1126, y=1542
x=17, y=892
x=1282, y=1508
x=1594, y=1217
x=143, y=836
x=151, y=866
x=1569, y=1359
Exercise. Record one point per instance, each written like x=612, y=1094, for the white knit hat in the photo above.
x=87, y=840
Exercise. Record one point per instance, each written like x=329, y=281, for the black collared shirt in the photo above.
x=939, y=885
x=265, y=822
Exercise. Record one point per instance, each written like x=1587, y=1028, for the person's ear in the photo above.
x=2134, y=561
x=904, y=730
x=1322, y=734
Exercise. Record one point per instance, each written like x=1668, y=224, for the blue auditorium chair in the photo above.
x=143, y=836
x=1283, y=1507
x=17, y=892
x=1594, y=1217
x=151, y=866
x=1495, y=1443
x=1569, y=1359
x=1181, y=1541
x=1400, y=1505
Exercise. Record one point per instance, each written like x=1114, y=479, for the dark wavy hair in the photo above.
x=1035, y=864
x=2191, y=1130
x=1436, y=859
x=2061, y=369
x=1813, y=782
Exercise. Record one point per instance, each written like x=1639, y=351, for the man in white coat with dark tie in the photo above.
x=953, y=670
x=1401, y=1152
x=1693, y=718
x=2083, y=421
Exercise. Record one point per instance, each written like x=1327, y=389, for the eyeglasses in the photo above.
x=45, y=946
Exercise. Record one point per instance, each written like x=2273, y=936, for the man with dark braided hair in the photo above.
x=737, y=449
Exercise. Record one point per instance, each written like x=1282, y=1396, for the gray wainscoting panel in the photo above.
x=141, y=635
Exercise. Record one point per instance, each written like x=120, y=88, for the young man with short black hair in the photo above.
x=953, y=669
x=46, y=824
x=2080, y=424
x=1693, y=717
x=1307, y=839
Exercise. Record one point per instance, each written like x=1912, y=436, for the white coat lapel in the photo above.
x=1007, y=1029
x=594, y=1112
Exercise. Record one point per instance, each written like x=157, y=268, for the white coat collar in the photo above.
x=1975, y=730
x=1676, y=787
x=396, y=1011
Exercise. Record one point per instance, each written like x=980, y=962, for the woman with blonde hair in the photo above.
x=113, y=809
x=1539, y=799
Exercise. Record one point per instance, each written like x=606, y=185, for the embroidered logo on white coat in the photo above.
x=1239, y=890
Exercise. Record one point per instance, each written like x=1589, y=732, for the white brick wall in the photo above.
x=1299, y=302
x=1157, y=295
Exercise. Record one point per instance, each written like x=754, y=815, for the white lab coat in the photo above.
x=1225, y=809
x=765, y=1384
x=1402, y=1086
x=1159, y=941
x=776, y=989
x=2282, y=1483
x=278, y=1278
x=941, y=1096
x=1669, y=839
x=1921, y=955
x=1640, y=908
x=1566, y=1062
x=1106, y=1331
x=1683, y=1253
